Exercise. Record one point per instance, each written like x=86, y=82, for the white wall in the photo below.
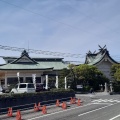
x=105, y=67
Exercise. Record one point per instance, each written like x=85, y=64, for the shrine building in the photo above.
x=27, y=67
x=102, y=60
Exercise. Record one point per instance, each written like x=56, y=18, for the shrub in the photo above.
x=116, y=88
x=42, y=93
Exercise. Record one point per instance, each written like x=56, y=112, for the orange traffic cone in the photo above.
x=10, y=112
x=36, y=107
x=74, y=101
x=18, y=115
x=71, y=100
x=79, y=102
x=64, y=105
x=44, y=110
x=57, y=103
x=39, y=106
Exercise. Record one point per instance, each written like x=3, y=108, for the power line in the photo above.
x=50, y=18
x=90, y=18
x=42, y=52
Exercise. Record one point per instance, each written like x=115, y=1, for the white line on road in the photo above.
x=106, y=100
x=59, y=112
x=115, y=117
x=95, y=110
x=100, y=103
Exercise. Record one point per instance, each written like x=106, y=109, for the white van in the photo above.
x=24, y=88
x=1, y=89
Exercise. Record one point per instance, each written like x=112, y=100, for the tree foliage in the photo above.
x=86, y=75
x=115, y=72
x=63, y=73
x=89, y=75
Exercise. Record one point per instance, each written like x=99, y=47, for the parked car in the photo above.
x=6, y=90
x=24, y=88
x=1, y=89
x=40, y=87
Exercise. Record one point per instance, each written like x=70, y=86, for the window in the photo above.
x=14, y=80
x=29, y=80
x=38, y=79
x=30, y=85
x=22, y=86
x=16, y=86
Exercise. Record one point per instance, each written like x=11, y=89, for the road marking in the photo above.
x=106, y=100
x=115, y=117
x=59, y=112
x=99, y=103
x=94, y=110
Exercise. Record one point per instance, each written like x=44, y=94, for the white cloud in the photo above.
x=60, y=25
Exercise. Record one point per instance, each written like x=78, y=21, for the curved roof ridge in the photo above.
x=95, y=58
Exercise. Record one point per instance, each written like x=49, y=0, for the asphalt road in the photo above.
x=94, y=107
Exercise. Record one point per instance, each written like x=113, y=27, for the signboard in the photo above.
x=79, y=86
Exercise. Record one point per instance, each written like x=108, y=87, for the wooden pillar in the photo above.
x=6, y=80
x=65, y=83
x=46, y=87
x=56, y=82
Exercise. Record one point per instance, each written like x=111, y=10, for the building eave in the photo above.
x=28, y=69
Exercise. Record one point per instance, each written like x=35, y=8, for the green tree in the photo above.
x=89, y=75
x=63, y=73
x=115, y=72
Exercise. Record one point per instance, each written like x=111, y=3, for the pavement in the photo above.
x=94, y=94
x=87, y=98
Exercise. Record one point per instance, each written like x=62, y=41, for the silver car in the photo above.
x=24, y=88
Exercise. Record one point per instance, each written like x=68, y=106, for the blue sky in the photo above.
x=66, y=26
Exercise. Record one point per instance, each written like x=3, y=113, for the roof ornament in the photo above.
x=94, y=52
x=89, y=52
x=24, y=53
x=102, y=48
